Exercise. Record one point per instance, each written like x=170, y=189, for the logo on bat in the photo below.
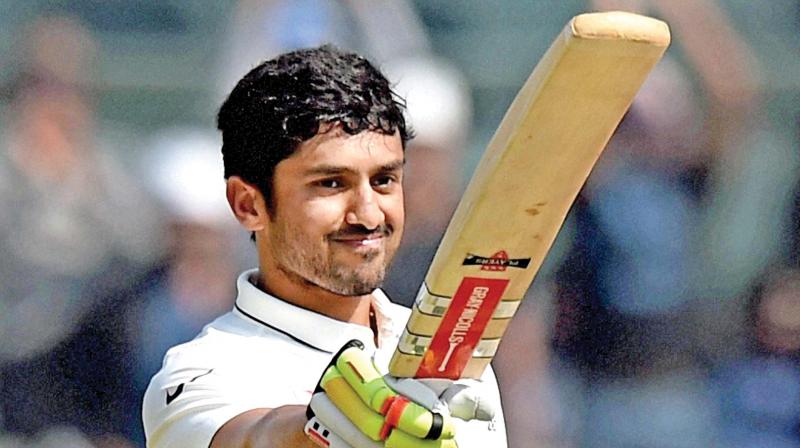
x=497, y=262
x=464, y=323
x=461, y=328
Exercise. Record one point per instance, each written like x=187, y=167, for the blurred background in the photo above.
x=667, y=314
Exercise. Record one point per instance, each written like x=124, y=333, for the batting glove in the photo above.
x=355, y=406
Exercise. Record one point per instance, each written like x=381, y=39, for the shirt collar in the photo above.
x=304, y=326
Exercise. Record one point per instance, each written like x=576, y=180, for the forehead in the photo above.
x=338, y=149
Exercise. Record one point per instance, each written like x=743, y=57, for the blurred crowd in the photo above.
x=667, y=315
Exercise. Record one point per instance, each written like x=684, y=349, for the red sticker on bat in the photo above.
x=461, y=328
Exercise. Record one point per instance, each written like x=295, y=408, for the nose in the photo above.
x=365, y=208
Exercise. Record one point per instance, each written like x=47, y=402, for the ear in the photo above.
x=247, y=204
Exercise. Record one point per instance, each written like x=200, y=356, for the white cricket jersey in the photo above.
x=267, y=353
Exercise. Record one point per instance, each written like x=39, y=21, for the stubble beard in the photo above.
x=298, y=258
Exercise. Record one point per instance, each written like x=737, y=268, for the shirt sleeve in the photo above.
x=183, y=406
x=191, y=397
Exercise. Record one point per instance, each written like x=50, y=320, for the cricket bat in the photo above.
x=520, y=193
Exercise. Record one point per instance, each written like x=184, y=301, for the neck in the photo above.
x=297, y=291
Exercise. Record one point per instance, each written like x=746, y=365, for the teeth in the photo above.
x=370, y=241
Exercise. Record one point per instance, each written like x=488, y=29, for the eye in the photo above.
x=329, y=183
x=384, y=181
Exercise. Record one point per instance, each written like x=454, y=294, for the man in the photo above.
x=313, y=147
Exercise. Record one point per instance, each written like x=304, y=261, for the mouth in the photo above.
x=372, y=240
x=361, y=240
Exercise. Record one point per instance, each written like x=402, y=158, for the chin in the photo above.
x=357, y=282
x=354, y=289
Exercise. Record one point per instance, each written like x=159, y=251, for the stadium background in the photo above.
x=668, y=314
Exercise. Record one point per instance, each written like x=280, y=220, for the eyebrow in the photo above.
x=329, y=170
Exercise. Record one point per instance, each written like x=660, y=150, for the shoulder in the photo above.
x=234, y=347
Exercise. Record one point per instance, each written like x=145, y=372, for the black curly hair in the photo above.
x=287, y=100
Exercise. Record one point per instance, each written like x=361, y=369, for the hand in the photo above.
x=355, y=406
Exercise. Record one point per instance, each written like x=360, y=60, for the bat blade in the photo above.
x=522, y=189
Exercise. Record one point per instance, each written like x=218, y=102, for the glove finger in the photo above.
x=361, y=375
x=401, y=439
x=418, y=421
x=318, y=387
x=341, y=432
x=350, y=404
x=469, y=402
x=416, y=391
x=359, y=371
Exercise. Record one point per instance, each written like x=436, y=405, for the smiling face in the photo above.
x=337, y=215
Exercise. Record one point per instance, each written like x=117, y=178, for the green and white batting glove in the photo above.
x=355, y=406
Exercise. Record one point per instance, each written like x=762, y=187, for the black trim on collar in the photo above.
x=286, y=333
